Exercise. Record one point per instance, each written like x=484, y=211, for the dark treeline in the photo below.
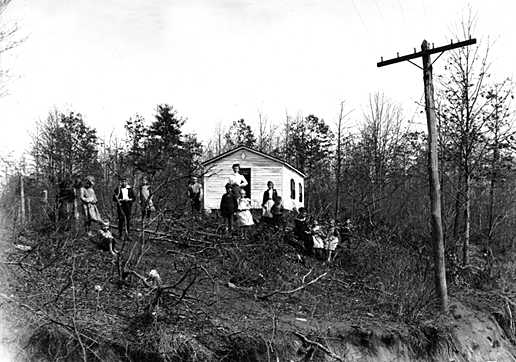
x=377, y=158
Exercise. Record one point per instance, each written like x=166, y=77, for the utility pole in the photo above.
x=433, y=164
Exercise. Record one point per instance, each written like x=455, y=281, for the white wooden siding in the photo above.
x=289, y=174
x=263, y=170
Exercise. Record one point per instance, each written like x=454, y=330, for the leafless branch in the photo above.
x=301, y=287
x=307, y=341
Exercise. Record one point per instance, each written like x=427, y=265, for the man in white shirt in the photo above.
x=124, y=197
x=236, y=180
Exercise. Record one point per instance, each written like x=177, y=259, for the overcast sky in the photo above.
x=221, y=60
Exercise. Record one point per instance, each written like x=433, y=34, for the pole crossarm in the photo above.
x=440, y=49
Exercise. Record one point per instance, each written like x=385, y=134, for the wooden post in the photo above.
x=433, y=176
x=22, y=200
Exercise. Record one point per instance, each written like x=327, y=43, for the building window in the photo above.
x=300, y=192
x=292, y=189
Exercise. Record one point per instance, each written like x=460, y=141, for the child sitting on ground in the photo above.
x=106, y=241
x=277, y=212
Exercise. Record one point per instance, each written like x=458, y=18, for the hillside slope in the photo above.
x=234, y=298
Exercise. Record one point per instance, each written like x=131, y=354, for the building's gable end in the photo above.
x=256, y=152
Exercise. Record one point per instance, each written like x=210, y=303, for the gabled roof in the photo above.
x=249, y=149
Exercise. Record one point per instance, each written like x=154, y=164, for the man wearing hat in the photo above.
x=124, y=197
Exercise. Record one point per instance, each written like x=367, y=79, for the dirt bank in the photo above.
x=472, y=336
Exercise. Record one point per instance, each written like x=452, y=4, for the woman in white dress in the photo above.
x=243, y=214
x=236, y=180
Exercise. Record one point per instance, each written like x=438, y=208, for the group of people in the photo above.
x=123, y=197
x=319, y=240
x=235, y=205
x=235, y=208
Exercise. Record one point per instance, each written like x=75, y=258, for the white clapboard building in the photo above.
x=258, y=168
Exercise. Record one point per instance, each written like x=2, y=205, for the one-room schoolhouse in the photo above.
x=258, y=168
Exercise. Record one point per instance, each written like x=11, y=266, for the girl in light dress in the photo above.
x=332, y=241
x=89, y=204
x=318, y=237
x=243, y=214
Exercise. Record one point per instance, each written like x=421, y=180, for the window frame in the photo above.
x=292, y=189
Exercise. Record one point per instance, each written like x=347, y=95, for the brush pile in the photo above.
x=184, y=289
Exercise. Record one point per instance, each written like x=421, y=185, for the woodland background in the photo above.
x=369, y=166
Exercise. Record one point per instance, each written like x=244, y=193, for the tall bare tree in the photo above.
x=465, y=110
x=381, y=138
x=500, y=137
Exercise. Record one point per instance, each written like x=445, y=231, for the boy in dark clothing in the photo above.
x=303, y=231
x=228, y=206
x=277, y=212
x=124, y=197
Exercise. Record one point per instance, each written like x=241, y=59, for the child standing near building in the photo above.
x=277, y=212
x=244, y=216
x=194, y=192
x=228, y=206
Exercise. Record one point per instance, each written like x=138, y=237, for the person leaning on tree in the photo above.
x=124, y=198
